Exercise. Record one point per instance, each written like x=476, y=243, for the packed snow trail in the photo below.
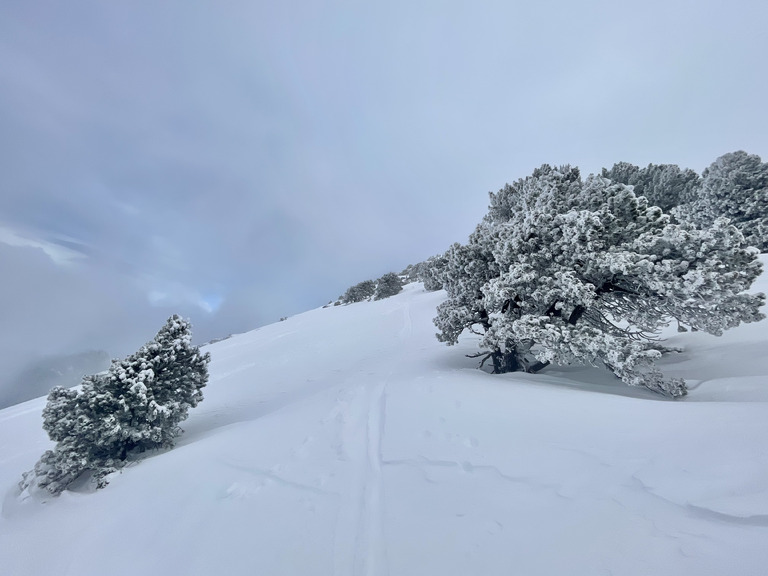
x=358, y=539
x=369, y=555
x=348, y=441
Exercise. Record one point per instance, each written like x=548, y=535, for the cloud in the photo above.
x=54, y=309
x=58, y=252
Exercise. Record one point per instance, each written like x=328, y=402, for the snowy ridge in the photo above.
x=348, y=441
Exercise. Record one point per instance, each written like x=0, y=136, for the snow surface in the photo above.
x=348, y=441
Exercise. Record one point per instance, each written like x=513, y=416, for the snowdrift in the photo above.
x=347, y=440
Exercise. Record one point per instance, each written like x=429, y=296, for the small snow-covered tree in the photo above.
x=154, y=388
x=137, y=405
x=359, y=292
x=566, y=271
x=735, y=186
x=432, y=272
x=388, y=285
x=411, y=273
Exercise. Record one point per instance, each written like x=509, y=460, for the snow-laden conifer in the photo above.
x=411, y=273
x=359, y=292
x=432, y=272
x=388, y=285
x=136, y=405
x=569, y=271
x=663, y=185
x=734, y=186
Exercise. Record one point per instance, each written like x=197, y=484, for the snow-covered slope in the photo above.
x=349, y=441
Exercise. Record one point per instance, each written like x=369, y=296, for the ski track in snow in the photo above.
x=363, y=525
x=359, y=548
x=370, y=554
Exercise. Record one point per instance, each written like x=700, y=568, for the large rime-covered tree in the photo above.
x=663, y=185
x=569, y=271
x=735, y=186
x=137, y=405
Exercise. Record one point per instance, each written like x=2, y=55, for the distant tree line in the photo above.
x=388, y=285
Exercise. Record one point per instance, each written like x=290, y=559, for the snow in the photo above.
x=348, y=441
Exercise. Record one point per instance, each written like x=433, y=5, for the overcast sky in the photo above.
x=239, y=161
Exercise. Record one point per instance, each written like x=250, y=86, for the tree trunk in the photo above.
x=533, y=368
x=576, y=315
x=504, y=362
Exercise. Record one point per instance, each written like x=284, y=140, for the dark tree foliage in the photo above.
x=411, y=273
x=735, y=186
x=432, y=272
x=136, y=405
x=388, y=285
x=359, y=292
x=663, y=185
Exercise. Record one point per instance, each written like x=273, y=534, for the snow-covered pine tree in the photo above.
x=156, y=386
x=566, y=271
x=65, y=423
x=663, y=185
x=469, y=267
x=432, y=272
x=388, y=285
x=411, y=273
x=359, y=292
x=137, y=405
x=735, y=186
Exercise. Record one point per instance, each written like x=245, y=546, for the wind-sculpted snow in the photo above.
x=349, y=441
